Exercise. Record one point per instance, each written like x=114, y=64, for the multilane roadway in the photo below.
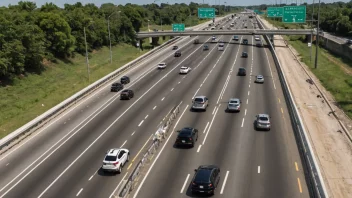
x=63, y=159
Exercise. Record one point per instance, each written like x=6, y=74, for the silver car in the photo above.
x=200, y=103
x=263, y=122
x=234, y=104
x=259, y=79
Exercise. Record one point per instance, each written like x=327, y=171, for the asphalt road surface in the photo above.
x=64, y=158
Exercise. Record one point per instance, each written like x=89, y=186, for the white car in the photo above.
x=185, y=70
x=259, y=79
x=115, y=159
x=161, y=65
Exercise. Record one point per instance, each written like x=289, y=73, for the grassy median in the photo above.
x=28, y=97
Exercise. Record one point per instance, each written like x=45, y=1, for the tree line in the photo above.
x=30, y=34
x=335, y=17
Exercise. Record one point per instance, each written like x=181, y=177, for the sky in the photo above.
x=61, y=3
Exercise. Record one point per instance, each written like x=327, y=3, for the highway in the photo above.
x=63, y=159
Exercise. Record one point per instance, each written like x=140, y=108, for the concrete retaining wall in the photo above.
x=343, y=50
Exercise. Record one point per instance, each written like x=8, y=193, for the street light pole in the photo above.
x=87, y=60
x=109, y=35
x=311, y=36
x=317, y=39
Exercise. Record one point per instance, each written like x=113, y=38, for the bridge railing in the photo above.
x=312, y=171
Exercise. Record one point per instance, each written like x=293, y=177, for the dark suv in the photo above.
x=177, y=53
x=241, y=71
x=244, y=54
x=187, y=136
x=116, y=87
x=206, y=179
x=125, y=80
x=126, y=94
x=245, y=41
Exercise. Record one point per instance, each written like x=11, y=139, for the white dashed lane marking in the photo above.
x=140, y=123
x=154, y=107
x=79, y=192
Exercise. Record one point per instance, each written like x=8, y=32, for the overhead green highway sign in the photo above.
x=275, y=11
x=206, y=13
x=294, y=14
x=178, y=27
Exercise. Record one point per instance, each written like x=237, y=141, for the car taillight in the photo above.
x=116, y=163
x=190, y=138
x=210, y=185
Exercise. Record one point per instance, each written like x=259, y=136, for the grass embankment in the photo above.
x=334, y=72
x=31, y=96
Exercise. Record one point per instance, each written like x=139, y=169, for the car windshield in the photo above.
x=198, y=100
x=183, y=67
x=233, y=102
x=161, y=63
x=259, y=77
x=110, y=158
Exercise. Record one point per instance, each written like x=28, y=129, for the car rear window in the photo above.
x=203, y=176
x=184, y=133
x=198, y=100
x=110, y=158
x=263, y=118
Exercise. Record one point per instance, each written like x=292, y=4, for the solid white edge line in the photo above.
x=223, y=185
x=206, y=127
x=199, y=148
x=157, y=157
x=112, y=194
x=79, y=192
x=185, y=183
x=140, y=123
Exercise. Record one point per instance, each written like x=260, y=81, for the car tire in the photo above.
x=119, y=170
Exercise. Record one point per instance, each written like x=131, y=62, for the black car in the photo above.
x=187, y=136
x=206, y=179
x=125, y=80
x=245, y=41
x=244, y=54
x=177, y=53
x=241, y=71
x=116, y=87
x=175, y=47
x=126, y=94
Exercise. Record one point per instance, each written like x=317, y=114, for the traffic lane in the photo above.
x=170, y=98
x=92, y=134
x=285, y=145
x=185, y=88
x=50, y=136
x=212, y=88
x=46, y=137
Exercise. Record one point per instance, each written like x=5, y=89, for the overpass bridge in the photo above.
x=142, y=35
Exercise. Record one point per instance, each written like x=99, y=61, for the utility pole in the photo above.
x=109, y=35
x=87, y=61
x=317, y=39
x=311, y=36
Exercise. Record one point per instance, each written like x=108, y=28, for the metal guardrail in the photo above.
x=55, y=111
x=228, y=32
x=160, y=135
x=312, y=171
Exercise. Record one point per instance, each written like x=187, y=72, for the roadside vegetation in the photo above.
x=42, y=49
x=334, y=72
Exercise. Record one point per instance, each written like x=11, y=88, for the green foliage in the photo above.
x=30, y=36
